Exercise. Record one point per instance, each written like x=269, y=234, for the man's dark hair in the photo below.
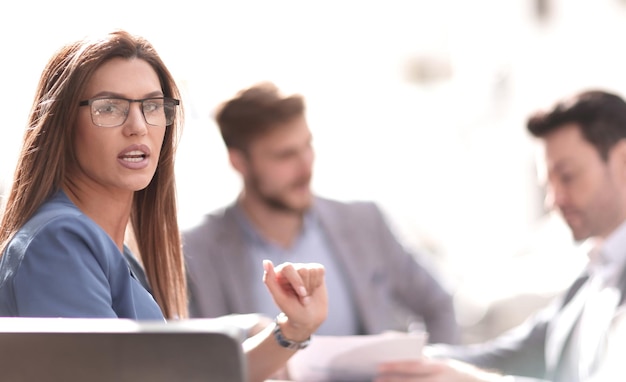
x=600, y=115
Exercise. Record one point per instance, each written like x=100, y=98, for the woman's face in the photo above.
x=123, y=157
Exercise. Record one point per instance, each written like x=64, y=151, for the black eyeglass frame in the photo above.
x=88, y=102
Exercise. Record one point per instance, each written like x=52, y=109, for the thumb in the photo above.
x=269, y=277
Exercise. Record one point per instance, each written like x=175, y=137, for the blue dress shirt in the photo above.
x=62, y=264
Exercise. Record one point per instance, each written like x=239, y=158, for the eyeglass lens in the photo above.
x=111, y=112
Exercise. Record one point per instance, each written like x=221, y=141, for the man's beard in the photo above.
x=276, y=201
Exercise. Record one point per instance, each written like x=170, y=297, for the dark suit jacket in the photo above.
x=382, y=274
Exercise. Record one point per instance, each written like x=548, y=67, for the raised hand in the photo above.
x=299, y=290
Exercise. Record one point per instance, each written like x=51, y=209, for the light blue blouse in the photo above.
x=62, y=264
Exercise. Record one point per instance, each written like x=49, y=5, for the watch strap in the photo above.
x=286, y=343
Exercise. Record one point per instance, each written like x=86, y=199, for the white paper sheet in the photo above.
x=352, y=358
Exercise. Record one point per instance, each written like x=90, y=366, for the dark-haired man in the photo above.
x=584, y=142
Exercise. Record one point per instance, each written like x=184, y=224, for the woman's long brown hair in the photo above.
x=48, y=150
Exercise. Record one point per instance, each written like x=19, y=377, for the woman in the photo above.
x=97, y=158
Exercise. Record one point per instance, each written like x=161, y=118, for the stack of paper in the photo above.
x=353, y=358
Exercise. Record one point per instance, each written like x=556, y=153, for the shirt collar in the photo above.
x=609, y=256
x=253, y=234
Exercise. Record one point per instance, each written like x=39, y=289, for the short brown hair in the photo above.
x=600, y=115
x=255, y=111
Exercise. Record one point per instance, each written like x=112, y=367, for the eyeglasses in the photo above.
x=112, y=111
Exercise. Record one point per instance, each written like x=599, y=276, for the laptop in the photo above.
x=119, y=350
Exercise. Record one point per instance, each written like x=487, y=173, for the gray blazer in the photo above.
x=387, y=282
x=522, y=350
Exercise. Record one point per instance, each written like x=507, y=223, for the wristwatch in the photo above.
x=284, y=342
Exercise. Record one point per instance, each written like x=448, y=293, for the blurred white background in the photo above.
x=418, y=105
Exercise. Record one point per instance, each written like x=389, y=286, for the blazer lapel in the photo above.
x=342, y=242
x=595, y=324
x=561, y=326
x=600, y=315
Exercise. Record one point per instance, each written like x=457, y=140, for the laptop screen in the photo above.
x=94, y=350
